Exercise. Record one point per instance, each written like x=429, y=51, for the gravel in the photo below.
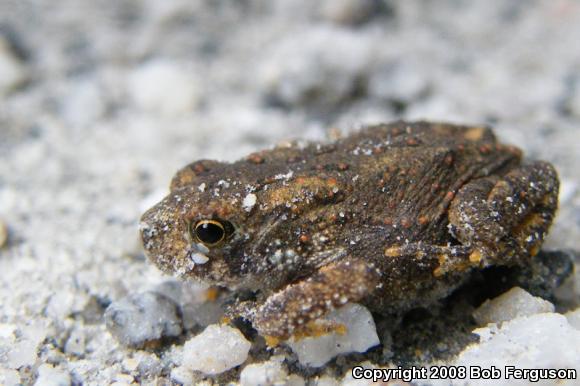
x=143, y=318
x=100, y=105
x=539, y=341
x=509, y=305
x=50, y=376
x=357, y=333
x=266, y=373
x=574, y=318
x=217, y=349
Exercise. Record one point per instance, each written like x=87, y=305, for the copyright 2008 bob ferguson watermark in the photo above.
x=467, y=373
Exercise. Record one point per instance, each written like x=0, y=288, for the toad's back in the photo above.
x=393, y=182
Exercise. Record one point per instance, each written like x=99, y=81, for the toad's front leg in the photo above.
x=290, y=311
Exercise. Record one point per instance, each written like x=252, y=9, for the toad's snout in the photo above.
x=164, y=237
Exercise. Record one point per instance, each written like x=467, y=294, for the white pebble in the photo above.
x=84, y=103
x=24, y=352
x=196, y=309
x=217, y=349
x=76, y=343
x=574, y=318
x=249, y=202
x=182, y=375
x=9, y=377
x=7, y=331
x=143, y=317
x=398, y=82
x=51, y=376
x=538, y=341
x=60, y=305
x=202, y=314
x=164, y=87
x=320, y=74
x=510, y=305
x=360, y=335
x=267, y=373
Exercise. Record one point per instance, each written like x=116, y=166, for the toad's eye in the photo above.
x=211, y=232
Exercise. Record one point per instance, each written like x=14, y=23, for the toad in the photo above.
x=394, y=216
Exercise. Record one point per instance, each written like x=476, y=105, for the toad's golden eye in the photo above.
x=209, y=232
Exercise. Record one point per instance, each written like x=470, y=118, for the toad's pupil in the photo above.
x=209, y=232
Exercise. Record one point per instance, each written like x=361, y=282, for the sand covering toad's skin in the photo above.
x=393, y=216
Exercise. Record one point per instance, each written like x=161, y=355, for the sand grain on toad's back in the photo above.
x=394, y=217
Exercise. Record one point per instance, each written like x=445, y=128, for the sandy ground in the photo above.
x=101, y=102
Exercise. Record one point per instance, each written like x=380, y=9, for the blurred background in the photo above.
x=102, y=101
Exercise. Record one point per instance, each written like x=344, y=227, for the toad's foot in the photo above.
x=506, y=217
x=290, y=311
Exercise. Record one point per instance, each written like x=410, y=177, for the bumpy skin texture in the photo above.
x=394, y=216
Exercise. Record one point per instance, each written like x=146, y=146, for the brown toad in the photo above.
x=393, y=217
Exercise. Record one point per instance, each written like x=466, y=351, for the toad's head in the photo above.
x=202, y=228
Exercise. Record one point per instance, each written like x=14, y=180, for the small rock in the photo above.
x=76, y=343
x=3, y=234
x=50, y=376
x=397, y=82
x=348, y=12
x=84, y=104
x=53, y=356
x=12, y=71
x=295, y=380
x=360, y=335
x=267, y=373
x=202, y=314
x=182, y=375
x=25, y=351
x=60, y=305
x=217, y=349
x=574, y=318
x=196, y=309
x=306, y=69
x=143, y=317
x=510, y=305
x=123, y=379
x=164, y=87
x=9, y=377
x=538, y=341
x=7, y=331
x=148, y=365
